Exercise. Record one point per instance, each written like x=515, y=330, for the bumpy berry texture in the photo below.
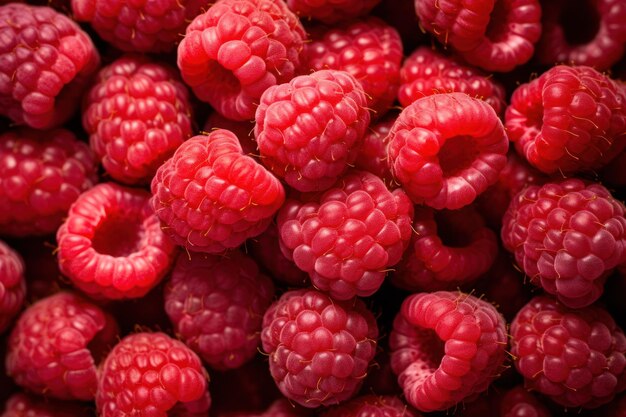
x=567, y=236
x=347, y=238
x=136, y=114
x=446, y=347
x=446, y=149
x=148, y=26
x=372, y=156
x=12, y=285
x=244, y=130
x=308, y=130
x=449, y=249
x=217, y=304
x=370, y=406
x=368, y=49
x=46, y=63
x=426, y=72
x=236, y=50
x=331, y=11
x=148, y=374
x=319, y=349
x=28, y=405
x=56, y=344
x=569, y=119
x=519, y=402
x=111, y=244
x=575, y=357
x=211, y=197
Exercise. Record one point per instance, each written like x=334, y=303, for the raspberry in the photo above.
x=446, y=149
x=147, y=374
x=112, y=245
x=369, y=406
x=569, y=119
x=210, y=197
x=137, y=114
x=243, y=131
x=12, y=285
x=319, y=349
x=372, y=156
x=56, y=344
x=368, y=49
x=236, y=50
x=575, y=357
x=584, y=33
x=28, y=405
x=331, y=11
x=518, y=402
x=426, y=72
x=567, y=236
x=308, y=130
x=449, y=249
x=47, y=61
x=219, y=315
x=347, y=238
x=446, y=347
x=279, y=408
x=41, y=175
x=146, y=26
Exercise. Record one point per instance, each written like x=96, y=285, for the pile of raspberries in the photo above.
x=312, y=208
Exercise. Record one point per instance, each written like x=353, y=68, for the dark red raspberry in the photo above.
x=27, y=405
x=446, y=149
x=56, y=344
x=236, y=50
x=349, y=237
x=244, y=130
x=111, y=244
x=41, y=175
x=575, y=357
x=368, y=49
x=449, y=249
x=446, y=346
x=136, y=114
x=569, y=119
x=217, y=304
x=46, y=61
x=519, y=402
x=426, y=72
x=319, y=349
x=211, y=197
x=147, y=374
x=567, y=236
x=331, y=11
x=372, y=156
x=279, y=408
x=370, y=406
x=308, y=130
x=12, y=285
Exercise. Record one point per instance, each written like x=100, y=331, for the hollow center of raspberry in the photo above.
x=498, y=26
x=454, y=230
x=117, y=236
x=224, y=80
x=431, y=349
x=457, y=154
x=580, y=21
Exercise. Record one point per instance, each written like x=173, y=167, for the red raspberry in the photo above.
x=319, y=348
x=28, y=405
x=145, y=26
x=56, y=344
x=217, y=304
x=41, y=175
x=446, y=149
x=308, y=130
x=567, y=237
x=347, y=238
x=147, y=374
x=236, y=50
x=370, y=406
x=569, y=119
x=426, y=72
x=331, y=11
x=46, y=63
x=242, y=129
x=446, y=347
x=449, y=249
x=137, y=114
x=372, y=156
x=210, y=197
x=518, y=402
x=368, y=49
x=12, y=285
x=112, y=245
x=575, y=357
x=584, y=33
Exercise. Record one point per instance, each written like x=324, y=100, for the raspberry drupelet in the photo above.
x=22, y=404
x=236, y=50
x=111, y=244
x=331, y=11
x=446, y=347
x=372, y=155
x=371, y=406
x=12, y=285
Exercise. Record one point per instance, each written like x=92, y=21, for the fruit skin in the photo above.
x=567, y=236
x=210, y=197
x=319, y=349
x=371, y=405
x=41, y=175
x=236, y=50
x=446, y=347
x=575, y=357
x=12, y=285
x=47, y=63
x=331, y=11
x=308, y=130
x=22, y=404
x=136, y=114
